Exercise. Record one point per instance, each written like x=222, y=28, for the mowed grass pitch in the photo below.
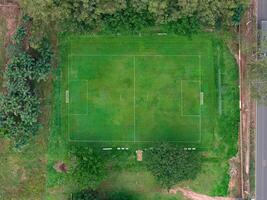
x=139, y=89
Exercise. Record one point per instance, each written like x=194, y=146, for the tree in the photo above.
x=171, y=165
x=88, y=168
x=88, y=15
x=88, y=194
x=19, y=103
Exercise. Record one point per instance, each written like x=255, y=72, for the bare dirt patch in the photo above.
x=11, y=12
x=196, y=196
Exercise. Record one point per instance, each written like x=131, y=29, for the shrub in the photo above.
x=185, y=26
x=19, y=34
x=88, y=168
x=171, y=165
x=127, y=20
x=20, y=105
x=238, y=13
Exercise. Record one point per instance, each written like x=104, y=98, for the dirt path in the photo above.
x=247, y=112
x=196, y=196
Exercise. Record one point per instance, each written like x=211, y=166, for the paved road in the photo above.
x=261, y=151
x=261, y=158
x=262, y=10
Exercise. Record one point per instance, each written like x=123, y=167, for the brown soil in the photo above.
x=11, y=12
x=60, y=167
x=196, y=196
x=234, y=183
x=139, y=155
x=247, y=112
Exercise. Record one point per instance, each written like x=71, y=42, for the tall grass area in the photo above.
x=215, y=165
x=23, y=173
x=228, y=121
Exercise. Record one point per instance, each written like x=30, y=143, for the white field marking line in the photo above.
x=134, y=98
x=201, y=98
x=68, y=117
x=200, y=113
x=182, y=114
x=87, y=96
x=199, y=86
x=131, y=141
x=131, y=55
x=200, y=92
x=93, y=35
x=219, y=83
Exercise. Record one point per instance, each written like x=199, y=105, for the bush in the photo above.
x=127, y=20
x=19, y=34
x=171, y=165
x=88, y=168
x=185, y=26
x=85, y=195
x=20, y=105
x=238, y=13
x=90, y=194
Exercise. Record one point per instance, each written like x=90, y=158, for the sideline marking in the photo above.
x=134, y=60
x=132, y=55
x=134, y=97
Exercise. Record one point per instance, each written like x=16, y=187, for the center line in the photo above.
x=134, y=95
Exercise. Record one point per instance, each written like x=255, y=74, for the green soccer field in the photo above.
x=131, y=89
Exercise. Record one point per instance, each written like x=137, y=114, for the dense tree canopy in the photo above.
x=92, y=14
x=88, y=168
x=19, y=103
x=171, y=165
x=110, y=195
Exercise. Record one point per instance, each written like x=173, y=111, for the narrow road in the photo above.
x=262, y=10
x=261, y=158
x=261, y=150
